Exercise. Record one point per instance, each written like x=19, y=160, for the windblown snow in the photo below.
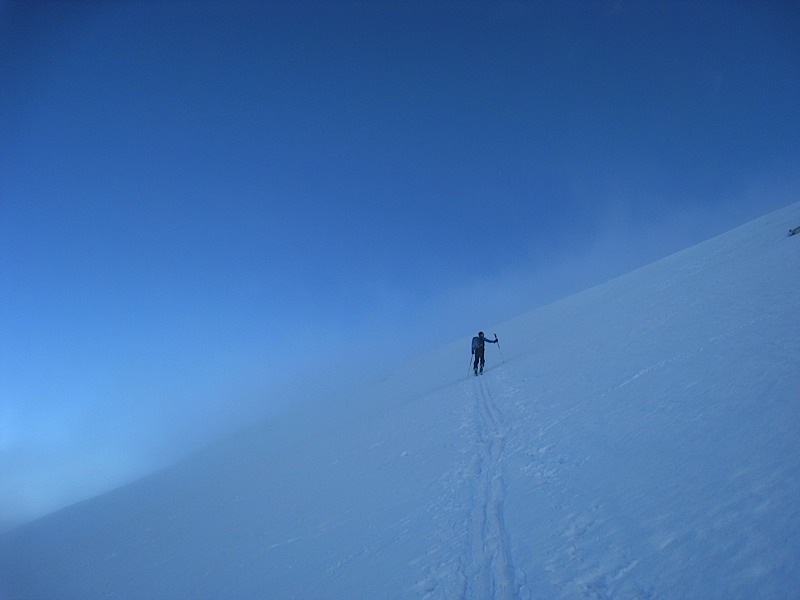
x=637, y=440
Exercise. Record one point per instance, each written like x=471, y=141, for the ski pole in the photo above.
x=469, y=365
x=498, y=347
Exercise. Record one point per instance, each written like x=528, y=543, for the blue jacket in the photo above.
x=478, y=342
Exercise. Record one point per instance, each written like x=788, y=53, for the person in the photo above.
x=477, y=350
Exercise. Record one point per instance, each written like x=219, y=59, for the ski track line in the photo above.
x=493, y=574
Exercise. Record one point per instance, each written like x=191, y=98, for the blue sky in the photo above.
x=210, y=209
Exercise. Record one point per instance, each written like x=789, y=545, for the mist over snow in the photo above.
x=213, y=211
x=636, y=440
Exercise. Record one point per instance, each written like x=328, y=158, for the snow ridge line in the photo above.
x=493, y=568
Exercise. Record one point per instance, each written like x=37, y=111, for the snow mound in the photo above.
x=637, y=440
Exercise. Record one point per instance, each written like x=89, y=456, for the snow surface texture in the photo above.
x=639, y=441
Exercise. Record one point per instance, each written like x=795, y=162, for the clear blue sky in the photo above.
x=203, y=204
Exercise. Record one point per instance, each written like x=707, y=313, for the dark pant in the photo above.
x=478, y=358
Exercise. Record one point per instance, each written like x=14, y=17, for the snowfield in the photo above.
x=636, y=440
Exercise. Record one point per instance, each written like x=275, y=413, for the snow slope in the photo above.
x=639, y=440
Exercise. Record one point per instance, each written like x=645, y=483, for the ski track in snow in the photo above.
x=481, y=566
x=490, y=569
